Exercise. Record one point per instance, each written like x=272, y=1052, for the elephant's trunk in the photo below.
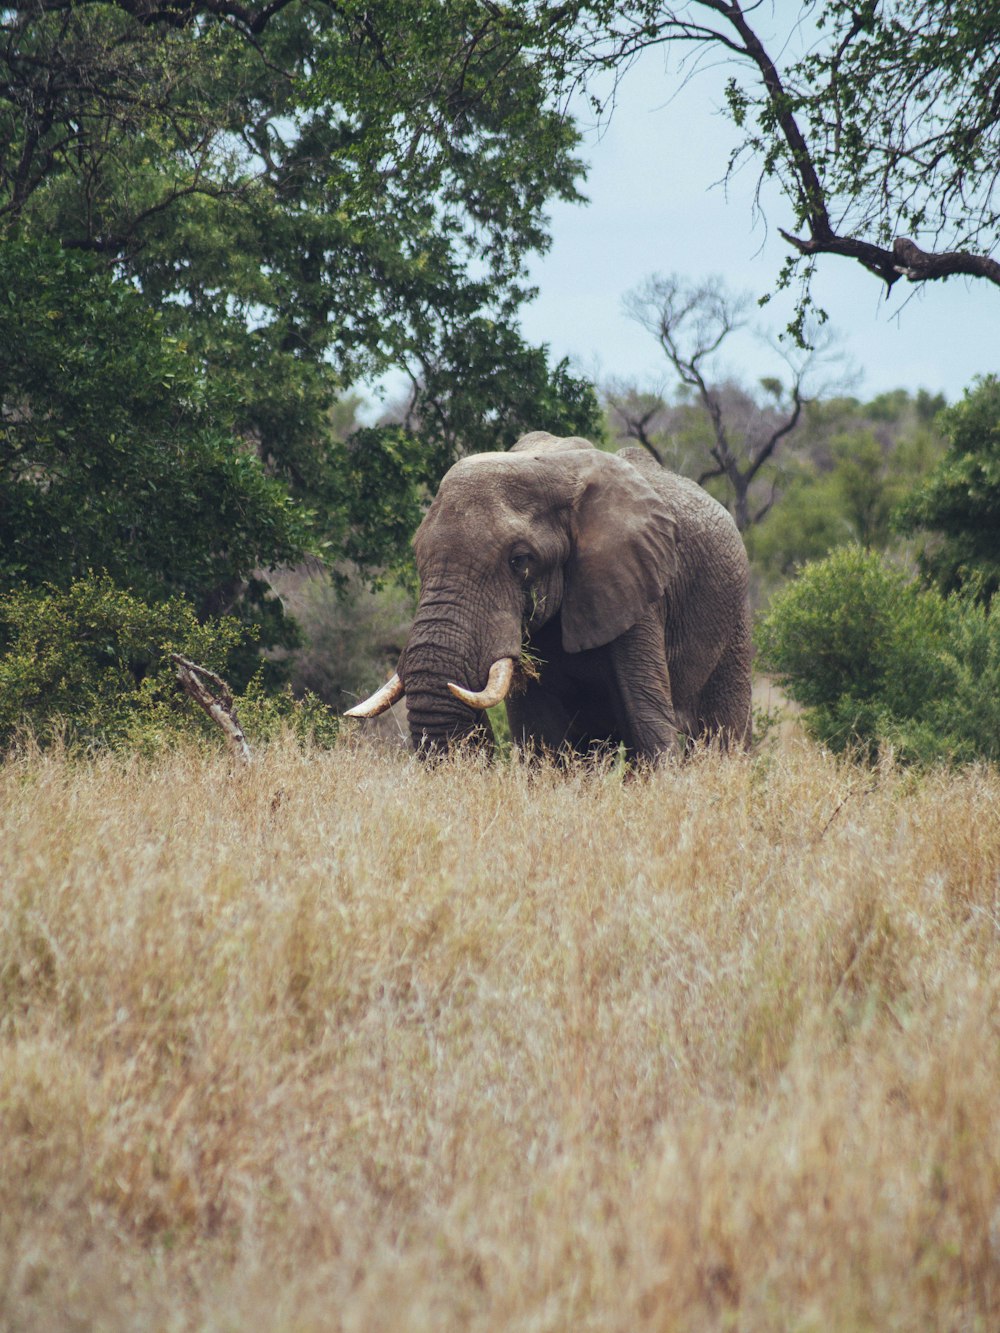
x=456, y=639
x=437, y=719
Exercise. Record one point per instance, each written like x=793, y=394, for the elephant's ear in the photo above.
x=624, y=552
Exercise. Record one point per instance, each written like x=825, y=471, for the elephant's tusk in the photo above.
x=379, y=701
x=495, y=689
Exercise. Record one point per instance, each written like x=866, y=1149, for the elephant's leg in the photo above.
x=641, y=691
x=539, y=721
x=724, y=705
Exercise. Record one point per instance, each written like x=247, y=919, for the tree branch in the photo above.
x=771, y=443
x=812, y=196
x=691, y=323
x=905, y=259
x=636, y=424
x=220, y=708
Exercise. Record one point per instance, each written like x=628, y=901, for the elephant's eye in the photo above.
x=521, y=565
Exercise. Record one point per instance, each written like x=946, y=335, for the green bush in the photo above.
x=969, y=712
x=265, y=713
x=958, y=505
x=875, y=658
x=90, y=664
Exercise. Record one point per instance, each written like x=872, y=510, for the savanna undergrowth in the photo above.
x=347, y=1042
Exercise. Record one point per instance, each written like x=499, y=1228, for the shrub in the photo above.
x=969, y=712
x=265, y=713
x=91, y=664
x=876, y=658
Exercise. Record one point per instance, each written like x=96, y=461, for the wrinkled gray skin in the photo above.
x=628, y=582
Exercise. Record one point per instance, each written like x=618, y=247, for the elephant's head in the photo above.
x=552, y=528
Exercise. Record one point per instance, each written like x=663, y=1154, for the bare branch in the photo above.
x=637, y=412
x=692, y=322
x=219, y=707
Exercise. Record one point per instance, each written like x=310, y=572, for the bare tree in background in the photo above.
x=692, y=322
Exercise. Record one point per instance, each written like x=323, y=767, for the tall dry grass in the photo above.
x=347, y=1043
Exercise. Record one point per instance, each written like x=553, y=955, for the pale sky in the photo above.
x=655, y=207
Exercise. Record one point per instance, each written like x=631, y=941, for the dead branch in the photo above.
x=219, y=707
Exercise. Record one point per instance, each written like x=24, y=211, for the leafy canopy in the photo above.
x=116, y=453
x=311, y=194
x=878, y=122
x=306, y=195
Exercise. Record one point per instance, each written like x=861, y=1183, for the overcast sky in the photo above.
x=655, y=206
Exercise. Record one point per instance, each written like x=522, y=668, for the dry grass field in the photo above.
x=343, y=1042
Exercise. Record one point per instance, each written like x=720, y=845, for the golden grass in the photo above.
x=347, y=1043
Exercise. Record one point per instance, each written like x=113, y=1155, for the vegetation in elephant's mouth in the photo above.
x=528, y=667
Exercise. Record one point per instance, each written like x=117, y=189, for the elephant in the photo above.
x=603, y=598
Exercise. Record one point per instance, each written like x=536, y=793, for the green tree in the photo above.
x=116, y=452
x=454, y=415
x=959, y=503
x=308, y=195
